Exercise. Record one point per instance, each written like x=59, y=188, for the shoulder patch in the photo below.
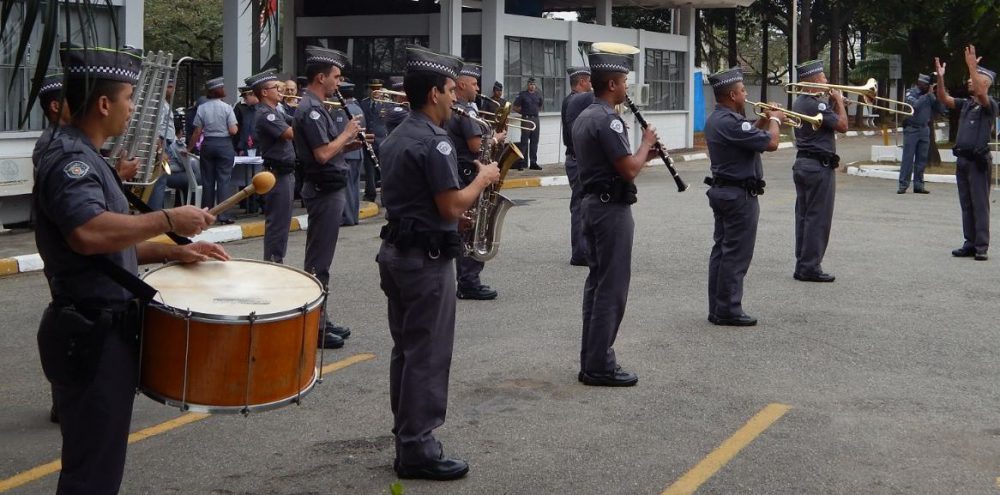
x=76, y=169
x=746, y=126
x=340, y=118
x=444, y=147
x=398, y=109
x=616, y=125
x=271, y=117
x=822, y=106
x=472, y=112
x=314, y=115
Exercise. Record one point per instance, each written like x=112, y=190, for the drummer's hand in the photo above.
x=199, y=251
x=127, y=168
x=189, y=220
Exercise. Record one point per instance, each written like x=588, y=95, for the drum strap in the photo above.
x=134, y=284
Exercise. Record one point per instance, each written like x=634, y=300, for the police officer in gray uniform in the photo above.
x=423, y=199
x=320, y=145
x=916, y=135
x=467, y=135
x=88, y=335
x=373, y=112
x=972, y=172
x=607, y=171
x=398, y=112
x=55, y=110
x=216, y=121
x=274, y=137
x=576, y=102
x=814, y=175
x=529, y=103
x=734, y=147
x=354, y=158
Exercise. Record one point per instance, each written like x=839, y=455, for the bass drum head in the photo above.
x=234, y=289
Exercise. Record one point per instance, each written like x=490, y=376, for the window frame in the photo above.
x=665, y=73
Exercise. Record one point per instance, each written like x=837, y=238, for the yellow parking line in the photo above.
x=44, y=470
x=724, y=453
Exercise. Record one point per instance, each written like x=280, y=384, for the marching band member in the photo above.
x=916, y=135
x=577, y=101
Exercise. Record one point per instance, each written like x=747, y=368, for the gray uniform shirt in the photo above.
x=215, y=117
x=460, y=130
x=572, y=107
x=167, y=131
x=975, y=123
x=418, y=162
x=735, y=145
x=73, y=185
x=314, y=127
x=530, y=103
x=341, y=119
x=270, y=125
x=822, y=140
x=395, y=116
x=600, y=139
x=41, y=145
x=924, y=106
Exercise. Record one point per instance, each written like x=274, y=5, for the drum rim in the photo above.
x=210, y=409
x=257, y=318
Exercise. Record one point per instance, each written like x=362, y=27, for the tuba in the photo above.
x=482, y=240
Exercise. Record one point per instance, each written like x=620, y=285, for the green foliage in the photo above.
x=656, y=20
x=396, y=488
x=185, y=28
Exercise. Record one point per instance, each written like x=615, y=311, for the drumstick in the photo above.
x=261, y=184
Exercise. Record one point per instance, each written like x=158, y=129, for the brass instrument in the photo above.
x=516, y=122
x=330, y=105
x=793, y=119
x=867, y=95
x=482, y=240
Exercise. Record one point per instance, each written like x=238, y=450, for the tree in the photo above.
x=656, y=20
x=190, y=28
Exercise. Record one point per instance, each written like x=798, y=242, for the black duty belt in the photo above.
x=752, y=185
x=446, y=244
x=829, y=160
x=529, y=115
x=614, y=191
x=278, y=166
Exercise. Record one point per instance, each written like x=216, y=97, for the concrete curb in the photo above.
x=892, y=172
x=221, y=234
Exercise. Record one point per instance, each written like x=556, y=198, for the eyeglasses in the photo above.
x=269, y=88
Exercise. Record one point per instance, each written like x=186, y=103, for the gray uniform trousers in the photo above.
x=736, y=214
x=217, y=164
x=466, y=268
x=578, y=243
x=608, y=228
x=324, y=209
x=974, y=198
x=278, y=217
x=815, y=188
x=94, y=417
x=530, y=148
x=353, y=206
x=421, y=303
x=916, y=142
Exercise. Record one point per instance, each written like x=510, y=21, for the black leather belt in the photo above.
x=529, y=115
x=827, y=160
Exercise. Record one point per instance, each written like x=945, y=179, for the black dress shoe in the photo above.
x=982, y=257
x=330, y=340
x=53, y=415
x=442, y=469
x=616, y=378
x=481, y=293
x=534, y=167
x=712, y=318
x=819, y=277
x=339, y=331
x=579, y=376
x=921, y=191
x=579, y=262
x=743, y=320
x=901, y=190
x=963, y=252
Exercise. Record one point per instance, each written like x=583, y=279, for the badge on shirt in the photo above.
x=270, y=117
x=616, y=125
x=472, y=113
x=822, y=107
x=444, y=147
x=77, y=169
x=397, y=109
x=747, y=126
x=340, y=118
x=314, y=115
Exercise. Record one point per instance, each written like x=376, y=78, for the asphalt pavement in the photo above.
x=888, y=374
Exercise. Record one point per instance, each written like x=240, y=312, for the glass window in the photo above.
x=665, y=74
x=371, y=57
x=545, y=60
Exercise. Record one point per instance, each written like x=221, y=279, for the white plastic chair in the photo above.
x=190, y=162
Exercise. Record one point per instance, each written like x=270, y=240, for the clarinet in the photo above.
x=361, y=134
x=681, y=186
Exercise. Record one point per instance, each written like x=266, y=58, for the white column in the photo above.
x=237, y=41
x=494, y=62
x=450, y=27
x=688, y=23
x=130, y=20
x=288, y=42
x=603, y=12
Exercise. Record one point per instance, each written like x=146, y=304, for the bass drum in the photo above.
x=228, y=337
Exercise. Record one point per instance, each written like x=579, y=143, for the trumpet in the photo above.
x=332, y=105
x=793, y=119
x=867, y=95
x=387, y=95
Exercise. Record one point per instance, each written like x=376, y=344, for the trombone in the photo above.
x=387, y=95
x=793, y=119
x=867, y=95
x=516, y=122
x=330, y=105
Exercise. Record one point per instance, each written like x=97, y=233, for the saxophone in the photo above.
x=482, y=240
